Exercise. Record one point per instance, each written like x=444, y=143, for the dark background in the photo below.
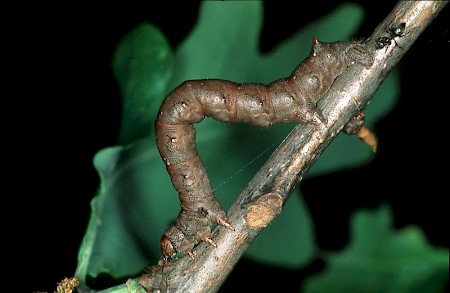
x=68, y=108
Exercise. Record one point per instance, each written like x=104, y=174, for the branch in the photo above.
x=265, y=195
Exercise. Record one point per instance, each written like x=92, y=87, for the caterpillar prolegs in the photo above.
x=291, y=99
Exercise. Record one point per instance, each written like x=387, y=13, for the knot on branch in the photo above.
x=264, y=210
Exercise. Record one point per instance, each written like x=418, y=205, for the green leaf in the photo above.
x=115, y=243
x=142, y=65
x=381, y=259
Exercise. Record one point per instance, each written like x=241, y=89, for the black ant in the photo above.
x=393, y=32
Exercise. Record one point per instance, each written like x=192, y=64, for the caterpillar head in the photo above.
x=337, y=56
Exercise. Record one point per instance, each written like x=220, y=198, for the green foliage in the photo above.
x=141, y=59
x=136, y=201
x=381, y=259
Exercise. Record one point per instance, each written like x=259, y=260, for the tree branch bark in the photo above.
x=264, y=197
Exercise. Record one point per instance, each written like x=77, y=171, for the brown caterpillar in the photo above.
x=291, y=99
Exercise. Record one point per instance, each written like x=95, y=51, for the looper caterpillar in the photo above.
x=291, y=99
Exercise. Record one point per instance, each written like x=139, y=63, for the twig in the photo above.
x=264, y=197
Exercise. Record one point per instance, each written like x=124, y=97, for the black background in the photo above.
x=67, y=107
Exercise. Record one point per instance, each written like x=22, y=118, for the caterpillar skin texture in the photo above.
x=291, y=99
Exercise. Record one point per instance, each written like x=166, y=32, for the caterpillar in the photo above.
x=290, y=99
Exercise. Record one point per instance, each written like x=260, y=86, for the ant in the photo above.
x=393, y=32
